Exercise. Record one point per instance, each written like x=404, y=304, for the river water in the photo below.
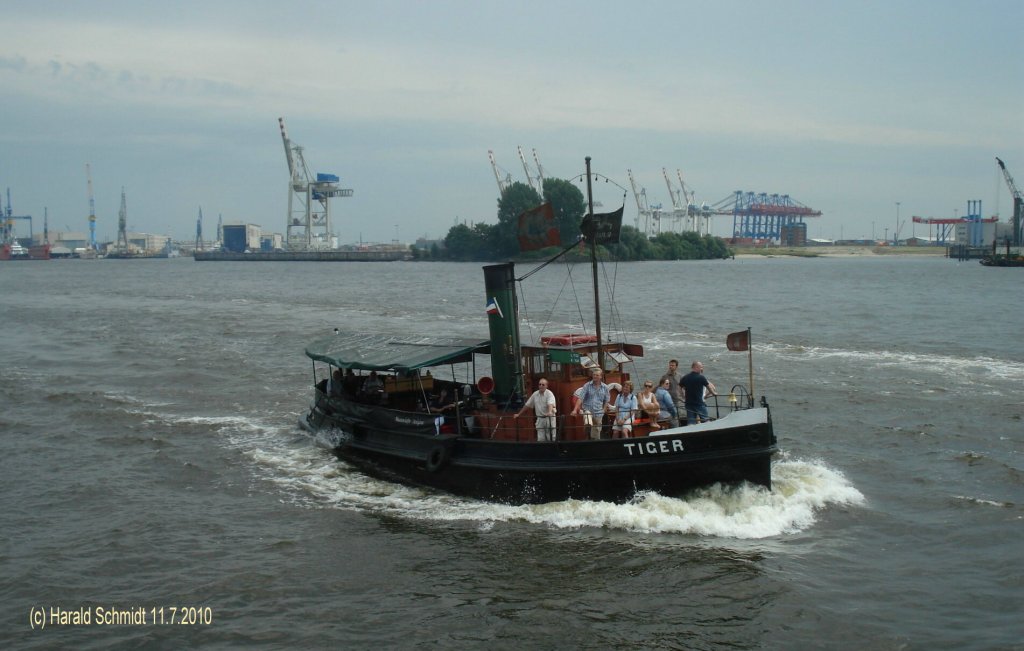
x=152, y=468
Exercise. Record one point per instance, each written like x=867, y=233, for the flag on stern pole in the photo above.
x=602, y=228
x=494, y=308
x=537, y=228
x=738, y=341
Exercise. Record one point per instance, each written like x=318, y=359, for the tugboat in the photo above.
x=373, y=407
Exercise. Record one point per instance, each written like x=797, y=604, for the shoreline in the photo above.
x=837, y=251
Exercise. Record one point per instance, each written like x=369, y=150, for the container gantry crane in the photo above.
x=8, y=220
x=762, y=216
x=503, y=183
x=526, y=170
x=540, y=172
x=122, y=225
x=92, y=210
x=308, y=227
x=199, y=230
x=678, y=207
x=648, y=220
x=1018, y=203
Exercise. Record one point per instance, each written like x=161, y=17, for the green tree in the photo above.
x=515, y=200
x=461, y=243
x=485, y=241
x=569, y=206
x=676, y=246
x=632, y=245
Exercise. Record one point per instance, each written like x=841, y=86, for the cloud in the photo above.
x=233, y=74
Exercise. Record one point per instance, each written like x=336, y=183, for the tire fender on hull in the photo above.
x=438, y=457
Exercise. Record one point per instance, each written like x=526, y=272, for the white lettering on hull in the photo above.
x=640, y=448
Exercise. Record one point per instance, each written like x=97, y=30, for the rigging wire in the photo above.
x=550, y=315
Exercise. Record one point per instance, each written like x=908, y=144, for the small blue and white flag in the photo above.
x=492, y=308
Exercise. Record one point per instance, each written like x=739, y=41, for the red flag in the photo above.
x=537, y=228
x=738, y=340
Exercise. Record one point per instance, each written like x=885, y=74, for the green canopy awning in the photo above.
x=397, y=353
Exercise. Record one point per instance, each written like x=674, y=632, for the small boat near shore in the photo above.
x=1003, y=261
x=1009, y=258
x=380, y=403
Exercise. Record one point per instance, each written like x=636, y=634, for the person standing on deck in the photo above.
x=591, y=398
x=693, y=384
x=648, y=404
x=543, y=403
x=335, y=386
x=675, y=390
x=625, y=408
x=668, y=409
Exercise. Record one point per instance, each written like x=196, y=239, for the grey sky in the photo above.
x=848, y=107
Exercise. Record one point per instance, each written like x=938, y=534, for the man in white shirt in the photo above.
x=543, y=402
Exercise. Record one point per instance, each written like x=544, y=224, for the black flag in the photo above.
x=602, y=228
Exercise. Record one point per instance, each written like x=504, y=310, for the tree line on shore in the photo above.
x=490, y=242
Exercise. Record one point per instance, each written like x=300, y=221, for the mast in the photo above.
x=593, y=268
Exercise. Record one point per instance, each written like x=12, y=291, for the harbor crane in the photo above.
x=530, y=178
x=199, y=230
x=503, y=181
x=540, y=172
x=1018, y=203
x=309, y=209
x=92, y=210
x=504, y=178
x=122, y=225
x=687, y=196
x=526, y=169
x=763, y=216
x=686, y=216
x=648, y=218
x=7, y=232
x=945, y=226
x=701, y=215
x=678, y=206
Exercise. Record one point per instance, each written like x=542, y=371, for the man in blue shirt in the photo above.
x=693, y=384
x=592, y=398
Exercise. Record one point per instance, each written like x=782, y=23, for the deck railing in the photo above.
x=503, y=426
x=475, y=420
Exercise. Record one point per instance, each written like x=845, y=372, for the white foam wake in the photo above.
x=802, y=489
x=313, y=478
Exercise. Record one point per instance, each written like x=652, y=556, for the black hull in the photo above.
x=1003, y=262
x=519, y=473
